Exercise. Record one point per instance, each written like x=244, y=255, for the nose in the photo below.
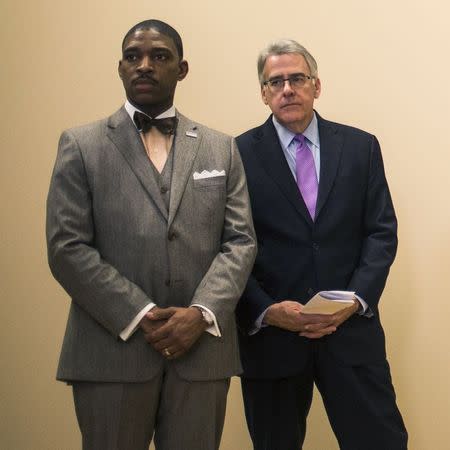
x=287, y=89
x=145, y=64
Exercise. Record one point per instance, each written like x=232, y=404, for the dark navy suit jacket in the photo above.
x=350, y=245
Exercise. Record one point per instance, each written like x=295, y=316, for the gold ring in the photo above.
x=167, y=353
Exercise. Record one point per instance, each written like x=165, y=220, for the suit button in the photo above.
x=172, y=236
x=315, y=246
x=164, y=190
x=310, y=291
x=167, y=282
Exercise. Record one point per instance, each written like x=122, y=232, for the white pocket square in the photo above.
x=207, y=174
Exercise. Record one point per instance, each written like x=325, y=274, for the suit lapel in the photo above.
x=126, y=138
x=268, y=150
x=186, y=145
x=331, y=143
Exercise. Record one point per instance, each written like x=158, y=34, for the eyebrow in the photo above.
x=276, y=77
x=130, y=49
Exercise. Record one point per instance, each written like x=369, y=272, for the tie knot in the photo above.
x=299, y=138
x=144, y=123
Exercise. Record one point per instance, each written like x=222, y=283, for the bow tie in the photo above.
x=165, y=126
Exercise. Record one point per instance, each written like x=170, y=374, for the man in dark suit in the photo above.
x=324, y=220
x=149, y=231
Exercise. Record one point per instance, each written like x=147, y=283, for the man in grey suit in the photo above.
x=150, y=233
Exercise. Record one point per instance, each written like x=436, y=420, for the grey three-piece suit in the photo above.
x=115, y=246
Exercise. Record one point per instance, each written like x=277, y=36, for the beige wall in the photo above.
x=384, y=67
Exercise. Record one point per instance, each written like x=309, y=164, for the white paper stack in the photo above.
x=329, y=302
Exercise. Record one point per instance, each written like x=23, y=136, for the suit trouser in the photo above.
x=359, y=401
x=179, y=414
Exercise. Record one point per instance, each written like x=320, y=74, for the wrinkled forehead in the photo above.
x=285, y=64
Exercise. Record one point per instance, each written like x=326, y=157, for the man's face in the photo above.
x=150, y=69
x=293, y=108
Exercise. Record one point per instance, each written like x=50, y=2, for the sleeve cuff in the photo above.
x=366, y=311
x=258, y=324
x=132, y=327
x=214, y=327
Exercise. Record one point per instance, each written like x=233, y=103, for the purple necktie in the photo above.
x=306, y=174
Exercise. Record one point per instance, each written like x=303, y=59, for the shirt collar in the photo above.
x=311, y=133
x=131, y=109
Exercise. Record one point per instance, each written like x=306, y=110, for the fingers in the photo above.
x=170, y=354
x=316, y=332
x=172, y=347
x=164, y=344
x=318, y=318
x=285, y=314
x=167, y=345
x=149, y=326
x=343, y=315
x=156, y=334
x=318, y=327
x=156, y=324
x=180, y=328
x=161, y=313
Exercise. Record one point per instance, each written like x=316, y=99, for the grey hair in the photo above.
x=282, y=47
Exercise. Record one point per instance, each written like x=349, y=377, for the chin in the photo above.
x=291, y=118
x=143, y=99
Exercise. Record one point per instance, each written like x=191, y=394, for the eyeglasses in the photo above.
x=296, y=81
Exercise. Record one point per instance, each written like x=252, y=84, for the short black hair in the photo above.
x=162, y=28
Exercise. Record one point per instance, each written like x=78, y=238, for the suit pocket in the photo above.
x=210, y=183
x=209, y=200
x=210, y=192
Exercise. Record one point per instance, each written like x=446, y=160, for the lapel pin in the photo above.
x=191, y=134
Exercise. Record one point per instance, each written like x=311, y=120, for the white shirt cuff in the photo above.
x=214, y=327
x=132, y=327
x=258, y=323
x=366, y=312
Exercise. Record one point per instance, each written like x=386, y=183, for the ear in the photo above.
x=183, y=68
x=317, y=88
x=264, y=95
x=119, y=68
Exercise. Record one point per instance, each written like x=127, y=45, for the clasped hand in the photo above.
x=172, y=331
x=287, y=314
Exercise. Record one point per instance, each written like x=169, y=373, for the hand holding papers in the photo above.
x=329, y=302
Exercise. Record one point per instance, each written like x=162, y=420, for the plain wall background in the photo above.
x=384, y=68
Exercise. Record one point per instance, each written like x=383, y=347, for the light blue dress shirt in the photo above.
x=289, y=146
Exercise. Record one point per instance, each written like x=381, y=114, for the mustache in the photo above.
x=145, y=77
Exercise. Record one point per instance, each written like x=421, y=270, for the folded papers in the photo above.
x=329, y=302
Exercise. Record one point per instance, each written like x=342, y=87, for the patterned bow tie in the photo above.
x=165, y=126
